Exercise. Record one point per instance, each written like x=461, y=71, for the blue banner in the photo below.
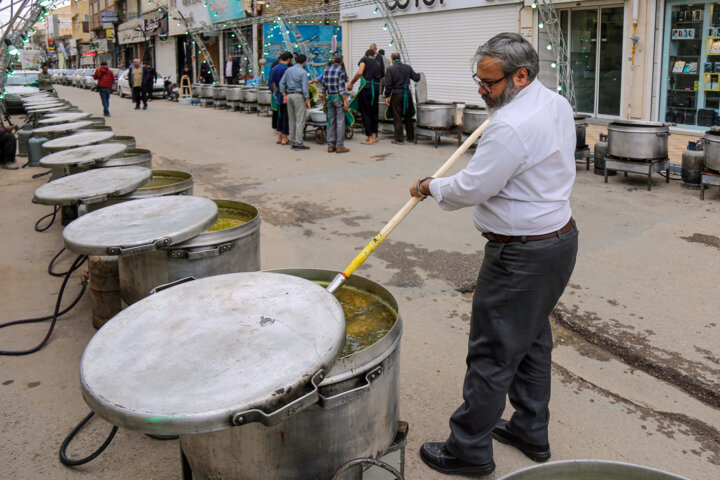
x=315, y=41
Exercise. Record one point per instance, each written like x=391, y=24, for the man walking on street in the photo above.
x=232, y=70
x=105, y=79
x=296, y=95
x=45, y=83
x=334, y=96
x=399, y=99
x=137, y=77
x=518, y=182
x=277, y=73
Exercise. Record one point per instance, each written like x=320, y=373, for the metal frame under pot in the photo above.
x=356, y=416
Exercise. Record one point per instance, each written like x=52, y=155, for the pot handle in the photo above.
x=350, y=395
x=273, y=418
x=164, y=286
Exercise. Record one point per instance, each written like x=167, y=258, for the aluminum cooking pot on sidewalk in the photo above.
x=266, y=375
x=591, y=470
x=77, y=140
x=638, y=140
x=80, y=158
x=63, y=118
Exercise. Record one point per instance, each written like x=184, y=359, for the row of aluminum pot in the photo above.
x=244, y=366
x=443, y=115
x=233, y=93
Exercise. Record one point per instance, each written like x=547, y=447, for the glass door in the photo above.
x=610, y=62
x=595, y=46
x=582, y=50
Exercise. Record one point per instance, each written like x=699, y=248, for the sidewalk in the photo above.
x=677, y=143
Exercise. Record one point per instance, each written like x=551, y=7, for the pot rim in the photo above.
x=206, y=239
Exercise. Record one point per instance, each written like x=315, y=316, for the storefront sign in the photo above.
x=89, y=54
x=155, y=23
x=109, y=16
x=406, y=7
x=102, y=45
x=130, y=32
x=110, y=33
x=194, y=12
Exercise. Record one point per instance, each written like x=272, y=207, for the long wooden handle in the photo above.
x=404, y=211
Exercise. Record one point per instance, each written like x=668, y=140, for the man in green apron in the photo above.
x=366, y=101
x=399, y=99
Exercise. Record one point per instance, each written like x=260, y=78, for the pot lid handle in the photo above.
x=269, y=419
x=149, y=247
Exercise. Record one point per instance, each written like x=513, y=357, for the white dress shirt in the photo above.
x=520, y=178
x=228, y=69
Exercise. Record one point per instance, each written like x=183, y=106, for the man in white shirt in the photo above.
x=518, y=183
x=232, y=69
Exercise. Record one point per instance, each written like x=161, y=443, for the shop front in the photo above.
x=131, y=39
x=690, y=85
x=440, y=39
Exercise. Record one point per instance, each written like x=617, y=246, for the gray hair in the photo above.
x=395, y=56
x=337, y=58
x=513, y=51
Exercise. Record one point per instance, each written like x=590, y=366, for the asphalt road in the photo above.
x=636, y=366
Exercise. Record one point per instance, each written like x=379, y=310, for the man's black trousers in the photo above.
x=369, y=108
x=510, y=343
x=139, y=94
x=396, y=103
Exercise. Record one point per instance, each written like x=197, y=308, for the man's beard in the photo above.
x=508, y=94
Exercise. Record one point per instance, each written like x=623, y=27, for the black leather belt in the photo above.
x=496, y=237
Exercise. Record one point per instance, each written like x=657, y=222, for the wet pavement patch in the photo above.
x=633, y=348
x=460, y=270
x=292, y=214
x=709, y=240
x=666, y=423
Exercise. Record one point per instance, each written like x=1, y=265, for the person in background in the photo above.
x=8, y=146
x=105, y=79
x=273, y=103
x=276, y=75
x=381, y=58
x=136, y=75
x=45, y=82
x=187, y=71
x=518, y=183
x=148, y=83
x=368, y=95
x=206, y=75
x=334, y=97
x=399, y=99
x=232, y=70
x=296, y=95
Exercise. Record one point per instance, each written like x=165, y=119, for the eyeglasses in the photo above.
x=488, y=85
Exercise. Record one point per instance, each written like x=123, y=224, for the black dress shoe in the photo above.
x=536, y=453
x=438, y=458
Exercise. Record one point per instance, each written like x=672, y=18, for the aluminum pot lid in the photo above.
x=197, y=356
x=88, y=155
x=78, y=140
x=140, y=226
x=47, y=109
x=93, y=186
x=62, y=127
x=64, y=118
x=638, y=123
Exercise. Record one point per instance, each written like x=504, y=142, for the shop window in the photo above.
x=684, y=51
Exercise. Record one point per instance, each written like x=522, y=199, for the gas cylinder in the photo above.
x=35, y=150
x=23, y=136
x=105, y=299
x=693, y=163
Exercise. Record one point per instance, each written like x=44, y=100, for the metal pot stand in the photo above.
x=643, y=167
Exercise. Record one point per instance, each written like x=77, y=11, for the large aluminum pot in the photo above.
x=125, y=140
x=580, y=130
x=264, y=96
x=473, y=117
x=232, y=93
x=251, y=95
x=219, y=92
x=197, y=89
x=711, y=146
x=132, y=157
x=436, y=115
x=244, y=90
x=96, y=128
x=206, y=91
x=357, y=416
x=232, y=250
x=161, y=184
x=97, y=120
x=590, y=469
x=638, y=140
